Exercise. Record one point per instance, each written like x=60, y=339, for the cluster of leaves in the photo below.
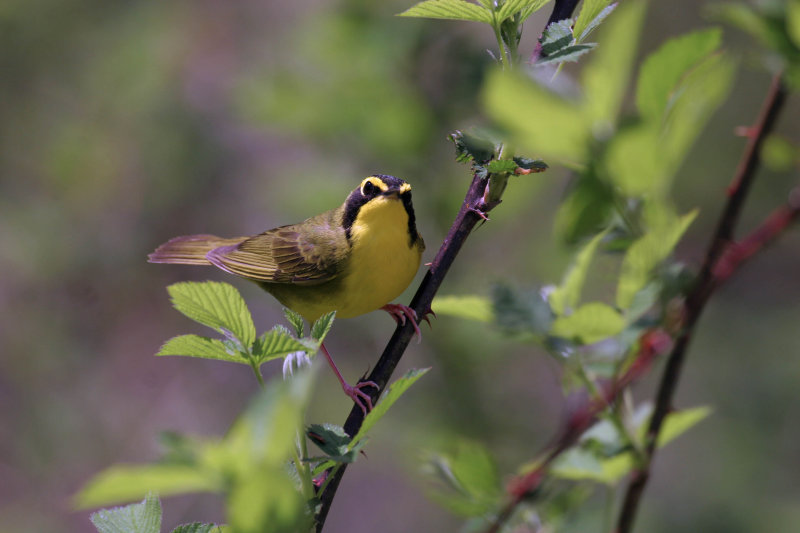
x=261, y=466
x=618, y=205
x=144, y=517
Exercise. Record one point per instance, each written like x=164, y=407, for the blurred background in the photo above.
x=123, y=124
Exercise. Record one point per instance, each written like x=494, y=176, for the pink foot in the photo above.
x=402, y=312
x=356, y=394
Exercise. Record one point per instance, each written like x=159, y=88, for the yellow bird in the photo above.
x=353, y=259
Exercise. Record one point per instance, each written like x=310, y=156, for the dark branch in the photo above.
x=468, y=216
x=562, y=10
x=705, y=284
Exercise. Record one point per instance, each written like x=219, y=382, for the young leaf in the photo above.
x=663, y=69
x=275, y=343
x=589, y=323
x=449, y=9
x=295, y=320
x=142, y=517
x=556, y=36
x=569, y=292
x=121, y=483
x=322, y=326
x=679, y=422
x=593, y=12
x=216, y=305
x=202, y=347
x=472, y=307
x=525, y=7
x=396, y=390
x=644, y=255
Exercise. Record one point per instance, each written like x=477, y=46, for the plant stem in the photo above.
x=503, y=56
x=700, y=293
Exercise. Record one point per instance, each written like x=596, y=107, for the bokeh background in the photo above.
x=123, y=124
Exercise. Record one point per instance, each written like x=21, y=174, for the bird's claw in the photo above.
x=400, y=312
x=355, y=393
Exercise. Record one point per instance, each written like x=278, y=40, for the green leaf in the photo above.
x=473, y=147
x=388, y=399
x=589, y=323
x=198, y=527
x=568, y=53
x=566, y=295
x=142, y=517
x=334, y=443
x=605, y=77
x=523, y=311
x=662, y=70
x=470, y=476
x=586, y=211
x=449, y=9
x=322, y=326
x=525, y=7
x=678, y=422
x=556, y=36
x=593, y=12
x=541, y=122
x=216, y=305
x=119, y=484
x=295, y=320
x=275, y=343
x=266, y=500
x=472, y=307
x=502, y=166
x=645, y=254
x=202, y=347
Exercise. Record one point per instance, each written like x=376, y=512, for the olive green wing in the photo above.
x=308, y=253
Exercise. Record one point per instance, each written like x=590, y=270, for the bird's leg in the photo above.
x=402, y=312
x=354, y=392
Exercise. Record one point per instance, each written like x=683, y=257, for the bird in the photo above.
x=353, y=259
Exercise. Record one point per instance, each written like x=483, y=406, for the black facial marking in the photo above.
x=358, y=198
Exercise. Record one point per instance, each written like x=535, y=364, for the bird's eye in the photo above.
x=368, y=189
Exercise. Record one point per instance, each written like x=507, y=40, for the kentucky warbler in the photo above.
x=353, y=259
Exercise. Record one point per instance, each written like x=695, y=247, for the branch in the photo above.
x=705, y=284
x=651, y=344
x=472, y=211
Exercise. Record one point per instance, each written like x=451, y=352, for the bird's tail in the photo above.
x=190, y=249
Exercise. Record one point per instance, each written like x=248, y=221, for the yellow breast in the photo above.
x=382, y=261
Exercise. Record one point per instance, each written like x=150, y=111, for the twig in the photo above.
x=705, y=284
x=651, y=344
x=468, y=216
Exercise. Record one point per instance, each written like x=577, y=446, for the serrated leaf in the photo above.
x=525, y=7
x=567, y=294
x=275, y=343
x=198, y=527
x=322, y=326
x=119, y=484
x=449, y=9
x=202, y=347
x=472, y=307
x=216, y=305
x=606, y=76
x=500, y=166
x=541, y=122
x=662, y=71
x=142, y=517
x=295, y=320
x=589, y=323
x=593, y=12
x=388, y=399
x=472, y=147
x=556, y=36
x=330, y=438
x=645, y=254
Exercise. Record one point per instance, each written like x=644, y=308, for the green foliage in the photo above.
x=589, y=323
x=248, y=465
x=449, y=9
x=467, y=482
x=566, y=295
x=472, y=307
x=220, y=306
x=142, y=517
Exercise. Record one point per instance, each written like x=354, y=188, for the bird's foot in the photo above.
x=402, y=312
x=355, y=393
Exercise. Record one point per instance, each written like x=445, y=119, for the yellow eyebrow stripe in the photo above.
x=376, y=182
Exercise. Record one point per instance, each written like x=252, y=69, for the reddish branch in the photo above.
x=651, y=344
x=722, y=258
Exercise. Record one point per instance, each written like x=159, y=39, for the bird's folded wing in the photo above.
x=283, y=255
